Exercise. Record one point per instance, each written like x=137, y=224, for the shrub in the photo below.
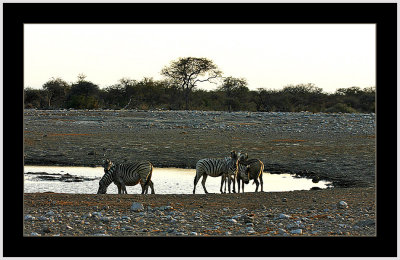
x=340, y=107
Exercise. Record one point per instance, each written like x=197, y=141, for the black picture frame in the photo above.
x=15, y=15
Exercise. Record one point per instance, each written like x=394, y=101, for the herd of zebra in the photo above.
x=236, y=167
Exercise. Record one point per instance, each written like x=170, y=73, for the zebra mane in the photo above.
x=248, y=161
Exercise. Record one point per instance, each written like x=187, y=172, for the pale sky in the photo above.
x=269, y=56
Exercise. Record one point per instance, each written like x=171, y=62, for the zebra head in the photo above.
x=107, y=164
x=106, y=180
x=102, y=188
x=243, y=157
x=244, y=172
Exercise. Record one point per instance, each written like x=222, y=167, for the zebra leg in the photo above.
x=223, y=179
x=119, y=189
x=196, y=180
x=257, y=183
x=238, y=182
x=234, y=180
x=144, y=188
x=152, y=187
x=242, y=186
x=203, y=182
x=229, y=183
x=123, y=187
x=262, y=183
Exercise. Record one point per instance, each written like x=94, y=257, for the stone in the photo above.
x=342, y=205
x=283, y=216
x=29, y=218
x=250, y=230
x=367, y=222
x=163, y=208
x=98, y=214
x=126, y=218
x=105, y=219
x=136, y=207
x=46, y=229
x=296, y=231
x=49, y=214
x=281, y=231
x=42, y=218
x=232, y=220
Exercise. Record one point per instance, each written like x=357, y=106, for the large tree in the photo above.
x=188, y=72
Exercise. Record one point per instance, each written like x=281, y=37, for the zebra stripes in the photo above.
x=225, y=168
x=250, y=169
x=243, y=175
x=126, y=175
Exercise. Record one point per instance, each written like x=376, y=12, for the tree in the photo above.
x=236, y=91
x=56, y=92
x=34, y=98
x=84, y=94
x=187, y=72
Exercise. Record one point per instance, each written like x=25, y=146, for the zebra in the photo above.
x=252, y=171
x=243, y=175
x=217, y=167
x=126, y=175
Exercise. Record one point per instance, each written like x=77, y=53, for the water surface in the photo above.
x=61, y=179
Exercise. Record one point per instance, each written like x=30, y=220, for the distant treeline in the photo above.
x=232, y=95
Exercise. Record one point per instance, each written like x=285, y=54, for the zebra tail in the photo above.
x=261, y=171
x=149, y=175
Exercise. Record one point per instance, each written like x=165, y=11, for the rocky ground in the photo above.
x=332, y=212
x=335, y=147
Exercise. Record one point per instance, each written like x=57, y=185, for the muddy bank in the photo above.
x=335, y=147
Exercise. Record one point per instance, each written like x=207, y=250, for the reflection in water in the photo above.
x=166, y=181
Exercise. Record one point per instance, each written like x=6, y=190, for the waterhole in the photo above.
x=61, y=179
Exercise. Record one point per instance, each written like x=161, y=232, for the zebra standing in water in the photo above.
x=126, y=175
x=251, y=170
x=217, y=167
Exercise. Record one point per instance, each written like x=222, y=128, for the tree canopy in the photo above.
x=178, y=91
x=188, y=72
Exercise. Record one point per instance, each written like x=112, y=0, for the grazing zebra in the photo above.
x=253, y=171
x=217, y=167
x=126, y=175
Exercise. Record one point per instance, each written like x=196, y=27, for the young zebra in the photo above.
x=242, y=175
x=126, y=175
x=217, y=167
x=252, y=171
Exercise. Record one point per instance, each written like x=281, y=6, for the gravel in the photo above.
x=248, y=214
